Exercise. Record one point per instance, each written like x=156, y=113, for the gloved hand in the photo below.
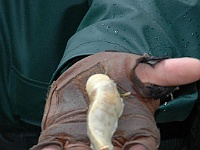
x=64, y=120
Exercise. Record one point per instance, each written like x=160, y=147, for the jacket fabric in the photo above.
x=40, y=39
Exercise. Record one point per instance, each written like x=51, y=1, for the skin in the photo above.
x=138, y=147
x=169, y=72
x=52, y=147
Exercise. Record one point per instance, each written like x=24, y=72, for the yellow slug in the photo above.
x=106, y=106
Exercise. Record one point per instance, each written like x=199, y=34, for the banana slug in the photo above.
x=106, y=106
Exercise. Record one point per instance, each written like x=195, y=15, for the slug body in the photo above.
x=106, y=106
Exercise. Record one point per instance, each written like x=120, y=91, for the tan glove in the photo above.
x=64, y=120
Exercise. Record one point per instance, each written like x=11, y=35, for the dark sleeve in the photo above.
x=160, y=28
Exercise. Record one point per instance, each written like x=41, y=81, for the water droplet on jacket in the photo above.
x=108, y=27
x=102, y=24
x=114, y=4
x=116, y=31
x=157, y=38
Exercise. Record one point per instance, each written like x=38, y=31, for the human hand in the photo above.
x=170, y=72
x=64, y=121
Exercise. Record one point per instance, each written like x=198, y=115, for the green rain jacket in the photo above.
x=33, y=36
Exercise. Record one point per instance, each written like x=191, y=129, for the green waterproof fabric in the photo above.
x=161, y=28
x=34, y=34
x=33, y=37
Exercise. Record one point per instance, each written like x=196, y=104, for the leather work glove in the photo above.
x=64, y=120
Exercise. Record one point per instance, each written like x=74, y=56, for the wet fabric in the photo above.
x=33, y=36
x=167, y=28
